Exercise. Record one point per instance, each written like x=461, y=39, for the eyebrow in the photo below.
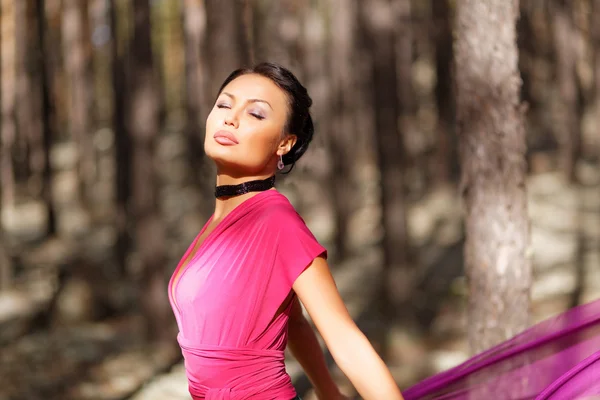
x=249, y=100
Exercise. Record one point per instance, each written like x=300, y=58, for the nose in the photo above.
x=231, y=119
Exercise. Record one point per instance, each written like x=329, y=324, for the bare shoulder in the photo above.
x=318, y=292
x=315, y=277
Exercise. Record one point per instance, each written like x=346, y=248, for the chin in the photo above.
x=223, y=157
x=228, y=159
x=216, y=152
x=235, y=166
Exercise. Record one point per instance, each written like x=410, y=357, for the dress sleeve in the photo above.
x=296, y=247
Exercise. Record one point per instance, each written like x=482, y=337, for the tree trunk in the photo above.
x=277, y=30
x=227, y=47
x=48, y=115
x=30, y=116
x=444, y=96
x=196, y=87
x=57, y=79
x=342, y=136
x=8, y=127
x=194, y=22
x=143, y=125
x=8, y=73
x=102, y=103
x=172, y=54
x=568, y=127
x=5, y=264
x=23, y=84
x=595, y=16
x=77, y=56
x=381, y=22
x=122, y=139
x=248, y=29
x=492, y=157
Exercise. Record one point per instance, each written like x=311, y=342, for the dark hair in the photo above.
x=299, y=121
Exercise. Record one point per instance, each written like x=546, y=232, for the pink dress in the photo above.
x=226, y=298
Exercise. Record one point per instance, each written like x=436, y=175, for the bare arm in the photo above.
x=303, y=343
x=349, y=347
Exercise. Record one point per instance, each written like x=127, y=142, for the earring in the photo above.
x=280, y=163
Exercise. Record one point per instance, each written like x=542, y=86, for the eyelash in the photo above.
x=257, y=116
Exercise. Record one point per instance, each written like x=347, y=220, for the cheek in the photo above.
x=210, y=125
x=211, y=120
x=263, y=140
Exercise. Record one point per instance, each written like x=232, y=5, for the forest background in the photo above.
x=454, y=176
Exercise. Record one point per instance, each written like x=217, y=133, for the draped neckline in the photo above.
x=188, y=259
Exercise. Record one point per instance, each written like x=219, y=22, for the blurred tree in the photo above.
x=404, y=72
x=40, y=147
x=492, y=156
x=539, y=91
x=196, y=87
x=342, y=139
x=57, y=79
x=77, y=54
x=569, y=110
x=25, y=111
x=226, y=42
x=8, y=92
x=277, y=31
x=444, y=94
x=194, y=22
x=29, y=116
x=247, y=38
x=380, y=23
x=6, y=273
x=142, y=123
x=304, y=34
x=171, y=47
x=122, y=140
x=99, y=25
x=8, y=44
x=595, y=36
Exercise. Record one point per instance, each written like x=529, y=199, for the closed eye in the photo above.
x=257, y=116
x=223, y=105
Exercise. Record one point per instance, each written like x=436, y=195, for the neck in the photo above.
x=228, y=179
x=224, y=205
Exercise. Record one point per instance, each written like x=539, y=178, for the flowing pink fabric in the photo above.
x=558, y=358
x=226, y=299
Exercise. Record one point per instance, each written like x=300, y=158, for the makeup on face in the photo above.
x=256, y=111
x=245, y=126
x=225, y=138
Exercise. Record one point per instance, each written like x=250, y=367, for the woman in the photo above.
x=235, y=292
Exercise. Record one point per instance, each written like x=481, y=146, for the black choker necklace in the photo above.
x=242, y=188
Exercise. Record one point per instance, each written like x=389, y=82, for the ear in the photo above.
x=286, y=144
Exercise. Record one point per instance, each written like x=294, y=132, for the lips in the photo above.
x=225, y=138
